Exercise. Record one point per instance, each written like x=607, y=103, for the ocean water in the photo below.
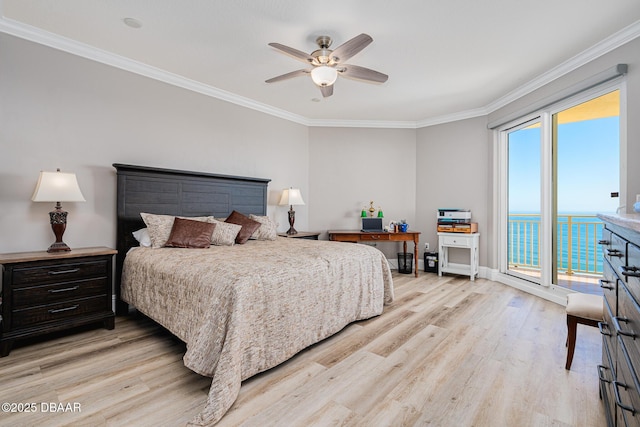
x=577, y=235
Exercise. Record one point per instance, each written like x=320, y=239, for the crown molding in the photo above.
x=453, y=117
x=73, y=47
x=362, y=124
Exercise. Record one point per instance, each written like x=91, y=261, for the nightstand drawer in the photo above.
x=48, y=294
x=457, y=241
x=59, y=272
x=53, y=312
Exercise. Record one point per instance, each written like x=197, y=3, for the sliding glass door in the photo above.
x=560, y=167
x=524, y=145
x=586, y=170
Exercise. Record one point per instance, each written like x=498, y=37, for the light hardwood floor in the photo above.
x=448, y=352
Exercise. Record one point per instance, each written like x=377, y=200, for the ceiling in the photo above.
x=445, y=59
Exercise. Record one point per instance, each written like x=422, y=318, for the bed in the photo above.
x=245, y=308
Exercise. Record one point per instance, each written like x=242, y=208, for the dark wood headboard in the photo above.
x=177, y=192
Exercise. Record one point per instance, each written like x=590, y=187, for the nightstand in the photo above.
x=311, y=235
x=44, y=292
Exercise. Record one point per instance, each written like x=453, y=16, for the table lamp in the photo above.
x=57, y=187
x=291, y=197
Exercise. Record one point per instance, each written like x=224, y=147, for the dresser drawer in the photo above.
x=626, y=389
x=607, y=375
x=616, y=254
x=58, y=272
x=457, y=241
x=627, y=323
x=630, y=273
x=52, y=312
x=609, y=285
x=47, y=294
x=605, y=240
x=608, y=332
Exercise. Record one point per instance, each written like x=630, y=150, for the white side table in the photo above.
x=458, y=240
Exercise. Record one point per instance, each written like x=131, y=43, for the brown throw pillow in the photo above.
x=159, y=226
x=248, y=226
x=186, y=233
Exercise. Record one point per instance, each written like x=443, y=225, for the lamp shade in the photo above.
x=291, y=196
x=324, y=75
x=57, y=187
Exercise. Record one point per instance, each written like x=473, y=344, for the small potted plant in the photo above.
x=403, y=226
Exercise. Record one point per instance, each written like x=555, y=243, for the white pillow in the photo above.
x=268, y=229
x=224, y=234
x=142, y=236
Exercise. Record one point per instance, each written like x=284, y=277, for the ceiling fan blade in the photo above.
x=349, y=48
x=288, y=76
x=327, y=91
x=294, y=53
x=362, y=73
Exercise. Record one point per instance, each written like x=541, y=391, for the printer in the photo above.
x=456, y=221
x=454, y=215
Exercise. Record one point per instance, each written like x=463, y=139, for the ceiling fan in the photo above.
x=327, y=64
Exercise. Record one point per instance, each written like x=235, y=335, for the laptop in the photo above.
x=372, y=225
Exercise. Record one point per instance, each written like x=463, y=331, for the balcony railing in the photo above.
x=577, y=243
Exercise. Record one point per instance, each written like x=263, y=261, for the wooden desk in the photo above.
x=359, y=236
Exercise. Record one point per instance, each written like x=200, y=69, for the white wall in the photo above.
x=453, y=171
x=59, y=110
x=349, y=167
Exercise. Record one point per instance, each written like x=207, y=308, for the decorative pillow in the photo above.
x=142, y=236
x=159, y=226
x=187, y=233
x=268, y=229
x=225, y=233
x=248, y=226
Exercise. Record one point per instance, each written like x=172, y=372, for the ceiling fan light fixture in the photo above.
x=324, y=75
x=327, y=64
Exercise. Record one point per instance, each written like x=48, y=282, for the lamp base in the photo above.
x=58, y=247
x=292, y=220
x=58, y=220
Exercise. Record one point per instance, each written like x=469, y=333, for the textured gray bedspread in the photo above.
x=247, y=308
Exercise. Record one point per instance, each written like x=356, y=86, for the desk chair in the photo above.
x=585, y=309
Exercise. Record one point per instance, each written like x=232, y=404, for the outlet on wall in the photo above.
x=426, y=246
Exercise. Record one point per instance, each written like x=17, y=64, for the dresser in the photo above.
x=619, y=372
x=44, y=292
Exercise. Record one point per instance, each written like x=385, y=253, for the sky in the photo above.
x=588, y=167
